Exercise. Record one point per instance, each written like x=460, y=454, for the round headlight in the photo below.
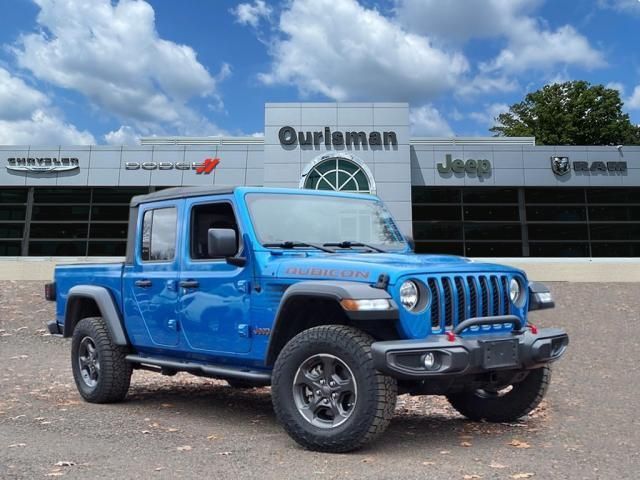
x=514, y=291
x=409, y=295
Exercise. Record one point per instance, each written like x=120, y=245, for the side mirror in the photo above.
x=222, y=242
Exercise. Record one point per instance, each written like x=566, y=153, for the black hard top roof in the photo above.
x=180, y=192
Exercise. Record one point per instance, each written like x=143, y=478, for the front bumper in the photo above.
x=470, y=354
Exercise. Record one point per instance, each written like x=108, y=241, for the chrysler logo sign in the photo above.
x=42, y=164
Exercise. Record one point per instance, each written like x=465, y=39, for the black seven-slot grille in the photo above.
x=459, y=297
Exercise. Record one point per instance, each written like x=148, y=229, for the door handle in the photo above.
x=143, y=283
x=189, y=284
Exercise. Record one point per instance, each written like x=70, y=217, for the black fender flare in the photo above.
x=331, y=290
x=106, y=305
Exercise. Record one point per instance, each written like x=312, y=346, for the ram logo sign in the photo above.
x=560, y=165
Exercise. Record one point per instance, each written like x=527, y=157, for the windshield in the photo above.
x=279, y=218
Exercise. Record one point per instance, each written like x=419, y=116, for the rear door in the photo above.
x=214, y=303
x=151, y=282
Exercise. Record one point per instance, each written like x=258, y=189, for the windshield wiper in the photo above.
x=290, y=245
x=347, y=244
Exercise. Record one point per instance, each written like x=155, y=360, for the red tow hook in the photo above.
x=533, y=328
x=450, y=336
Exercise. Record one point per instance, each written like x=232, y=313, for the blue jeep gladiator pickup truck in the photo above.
x=317, y=294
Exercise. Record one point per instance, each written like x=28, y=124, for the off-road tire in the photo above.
x=376, y=393
x=522, y=399
x=114, y=374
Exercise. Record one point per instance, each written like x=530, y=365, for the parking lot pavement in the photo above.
x=185, y=427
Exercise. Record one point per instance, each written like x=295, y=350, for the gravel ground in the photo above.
x=185, y=427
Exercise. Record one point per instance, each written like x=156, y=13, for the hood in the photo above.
x=367, y=267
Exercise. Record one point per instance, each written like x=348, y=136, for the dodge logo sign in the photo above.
x=42, y=164
x=560, y=165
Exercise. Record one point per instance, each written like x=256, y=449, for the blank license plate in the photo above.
x=500, y=353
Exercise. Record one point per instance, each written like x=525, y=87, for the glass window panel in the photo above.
x=436, y=212
x=61, y=212
x=116, y=195
x=12, y=213
x=435, y=195
x=108, y=230
x=492, y=231
x=615, y=249
x=491, y=212
x=10, y=249
x=13, y=195
x=554, y=195
x=107, y=249
x=58, y=230
x=557, y=213
x=613, y=195
x=348, y=166
x=159, y=234
x=110, y=213
x=557, y=231
x=437, y=231
x=490, y=195
x=57, y=249
x=493, y=249
x=615, y=231
x=11, y=230
x=448, y=248
x=624, y=214
x=560, y=249
x=61, y=195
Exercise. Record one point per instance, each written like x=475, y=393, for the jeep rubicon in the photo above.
x=317, y=294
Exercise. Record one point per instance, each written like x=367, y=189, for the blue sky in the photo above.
x=100, y=71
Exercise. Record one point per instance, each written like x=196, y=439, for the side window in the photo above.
x=159, y=235
x=204, y=217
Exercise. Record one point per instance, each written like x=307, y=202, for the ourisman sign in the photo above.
x=288, y=136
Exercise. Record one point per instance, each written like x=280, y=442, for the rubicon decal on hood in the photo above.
x=326, y=272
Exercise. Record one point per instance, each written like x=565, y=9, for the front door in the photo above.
x=214, y=300
x=150, y=284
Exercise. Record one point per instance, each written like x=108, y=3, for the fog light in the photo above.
x=429, y=361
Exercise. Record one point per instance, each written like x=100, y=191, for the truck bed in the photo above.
x=108, y=275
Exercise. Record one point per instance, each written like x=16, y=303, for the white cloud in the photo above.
x=427, y=121
x=489, y=115
x=450, y=22
x=633, y=102
x=27, y=117
x=623, y=6
x=530, y=44
x=345, y=51
x=616, y=86
x=532, y=48
x=42, y=128
x=251, y=14
x=485, y=84
x=125, y=135
x=17, y=99
x=112, y=54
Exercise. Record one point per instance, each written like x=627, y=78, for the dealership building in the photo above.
x=479, y=197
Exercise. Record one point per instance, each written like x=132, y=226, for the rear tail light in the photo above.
x=50, y=291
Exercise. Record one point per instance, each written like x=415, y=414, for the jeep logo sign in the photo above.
x=470, y=167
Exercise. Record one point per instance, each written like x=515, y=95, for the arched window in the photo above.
x=338, y=173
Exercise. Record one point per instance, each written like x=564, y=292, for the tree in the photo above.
x=570, y=113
